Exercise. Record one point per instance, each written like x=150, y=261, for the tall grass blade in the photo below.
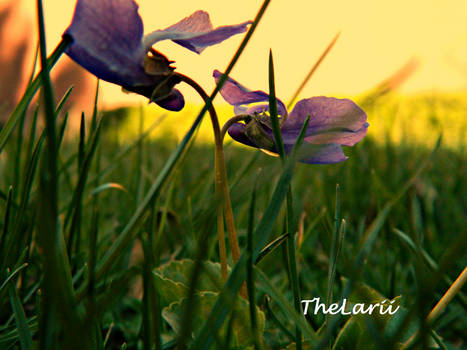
x=250, y=277
x=337, y=240
x=276, y=129
x=24, y=333
x=75, y=209
x=312, y=71
x=6, y=223
x=58, y=295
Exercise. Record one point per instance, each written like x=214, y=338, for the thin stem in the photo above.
x=224, y=205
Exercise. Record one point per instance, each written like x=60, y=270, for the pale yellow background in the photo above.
x=377, y=38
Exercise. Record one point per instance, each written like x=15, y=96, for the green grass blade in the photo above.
x=250, y=276
x=334, y=247
x=61, y=133
x=109, y=186
x=82, y=141
x=276, y=129
x=12, y=275
x=63, y=100
x=95, y=109
x=271, y=247
x=75, y=209
x=58, y=294
x=292, y=264
x=287, y=308
x=312, y=71
x=17, y=159
x=24, y=333
x=32, y=134
x=6, y=221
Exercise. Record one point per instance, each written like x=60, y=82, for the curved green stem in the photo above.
x=231, y=121
x=224, y=205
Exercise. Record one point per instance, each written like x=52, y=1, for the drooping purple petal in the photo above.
x=195, y=32
x=173, y=102
x=106, y=38
x=332, y=120
x=238, y=95
x=198, y=22
x=200, y=42
x=237, y=132
x=319, y=154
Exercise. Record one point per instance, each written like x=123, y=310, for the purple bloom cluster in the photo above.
x=333, y=123
x=107, y=40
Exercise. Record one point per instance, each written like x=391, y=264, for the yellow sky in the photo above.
x=377, y=38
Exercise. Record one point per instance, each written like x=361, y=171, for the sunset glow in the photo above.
x=377, y=38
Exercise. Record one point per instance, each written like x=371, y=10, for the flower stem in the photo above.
x=224, y=205
x=231, y=121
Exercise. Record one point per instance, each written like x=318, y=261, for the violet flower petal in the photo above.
x=173, y=102
x=237, y=132
x=319, y=154
x=195, y=32
x=238, y=95
x=332, y=120
x=106, y=38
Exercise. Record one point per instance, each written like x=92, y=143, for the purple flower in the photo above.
x=107, y=40
x=333, y=123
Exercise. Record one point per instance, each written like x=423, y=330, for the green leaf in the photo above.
x=172, y=279
x=361, y=330
x=241, y=326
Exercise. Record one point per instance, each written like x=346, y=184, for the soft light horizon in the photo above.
x=376, y=40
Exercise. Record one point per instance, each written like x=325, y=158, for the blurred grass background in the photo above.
x=414, y=119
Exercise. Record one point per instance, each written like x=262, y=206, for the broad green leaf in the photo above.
x=241, y=331
x=172, y=279
x=360, y=329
